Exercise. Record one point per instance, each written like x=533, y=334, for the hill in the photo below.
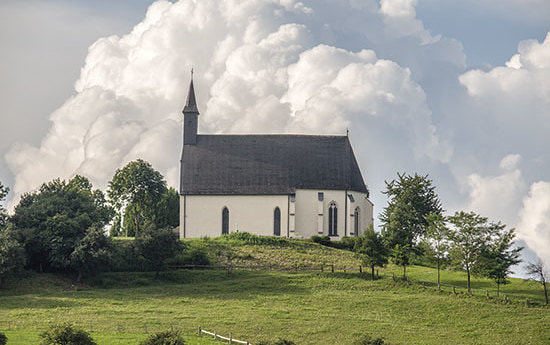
x=308, y=307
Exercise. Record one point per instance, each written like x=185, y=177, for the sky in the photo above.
x=458, y=90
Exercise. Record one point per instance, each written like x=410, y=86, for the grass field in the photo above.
x=306, y=307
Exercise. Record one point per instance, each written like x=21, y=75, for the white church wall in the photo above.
x=366, y=212
x=247, y=213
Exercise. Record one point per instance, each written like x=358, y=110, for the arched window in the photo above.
x=225, y=221
x=277, y=222
x=356, y=223
x=332, y=219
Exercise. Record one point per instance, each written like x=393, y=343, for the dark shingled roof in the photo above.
x=269, y=164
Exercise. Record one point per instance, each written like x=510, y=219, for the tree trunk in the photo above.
x=0, y=282
x=79, y=277
x=545, y=291
x=137, y=225
x=438, y=280
x=404, y=272
x=41, y=269
x=468, y=272
x=372, y=272
x=498, y=288
x=157, y=274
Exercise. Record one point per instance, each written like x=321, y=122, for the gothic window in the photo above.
x=277, y=222
x=225, y=221
x=332, y=219
x=356, y=224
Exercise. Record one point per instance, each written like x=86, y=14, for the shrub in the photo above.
x=245, y=237
x=368, y=340
x=196, y=256
x=3, y=339
x=322, y=240
x=66, y=335
x=278, y=342
x=164, y=338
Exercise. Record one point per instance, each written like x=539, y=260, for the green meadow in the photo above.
x=307, y=307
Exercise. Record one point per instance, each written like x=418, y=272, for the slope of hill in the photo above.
x=307, y=307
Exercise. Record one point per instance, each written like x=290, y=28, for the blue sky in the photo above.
x=428, y=86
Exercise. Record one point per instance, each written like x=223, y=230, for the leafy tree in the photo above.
x=470, y=236
x=411, y=200
x=370, y=246
x=3, y=339
x=66, y=335
x=164, y=338
x=497, y=257
x=135, y=191
x=52, y=221
x=3, y=214
x=437, y=242
x=157, y=245
x=167, y=211
x=12, y=254
x=92, y=253
x=538, y=271
x=402, y=257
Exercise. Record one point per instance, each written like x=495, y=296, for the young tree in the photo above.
x=402, y=256
x=411, y=200
x=469, y=236
x=92, y=253
x=52, y=221
x=157, y=245
x=370, y=246
x=498, y=257
x=437, y=242
x=12, y=254
x=538, y=272
x=135, y=191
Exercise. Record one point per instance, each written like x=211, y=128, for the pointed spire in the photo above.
x=191, y=102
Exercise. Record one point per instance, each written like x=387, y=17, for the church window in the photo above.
x=351, y=198
x=320, y=196
x=356, y=221
x=225, y=221
x=277, y=222
x=292, y=197
x=332, y=219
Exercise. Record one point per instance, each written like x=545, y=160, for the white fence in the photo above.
x=229, y=339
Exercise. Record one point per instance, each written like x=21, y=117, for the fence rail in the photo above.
x=217, y=336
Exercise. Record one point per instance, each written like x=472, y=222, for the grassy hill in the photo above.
x=307, y=307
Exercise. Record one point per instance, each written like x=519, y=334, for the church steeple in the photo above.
x=190, y=116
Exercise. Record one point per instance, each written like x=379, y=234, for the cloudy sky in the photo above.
x=459, y=90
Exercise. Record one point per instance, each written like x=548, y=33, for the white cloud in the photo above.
x=261, y=66
x=534, y=225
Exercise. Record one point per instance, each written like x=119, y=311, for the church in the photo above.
x=293, y=186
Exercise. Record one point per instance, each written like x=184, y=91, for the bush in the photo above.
x=196, y=256
x=66, y=335
x=278, y=342
x=3, y=339
x=368, y=340
x=322, y=240
x=164, y=338
x=245, y=237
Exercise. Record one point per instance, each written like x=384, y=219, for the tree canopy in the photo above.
x=52, y=221
x=157, y=245
x=135, y=191
x=3, y=214
x=370, y=246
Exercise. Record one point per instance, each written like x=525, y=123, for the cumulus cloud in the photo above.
x=534, y=225
x=261, y=66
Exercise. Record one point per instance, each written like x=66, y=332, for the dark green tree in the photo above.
x=93, y=253
x=135, y=191
x=469, y=236
x=157, y=245
x=167, y=211
x=538, y=272
x=3, y=214
x=3, y=339
x=436, y=241
x=12, y=254
x=52, y=221
x=372, y=250
x=411, y=200
x=401, y=255
x=66, y=335
x=498, y=256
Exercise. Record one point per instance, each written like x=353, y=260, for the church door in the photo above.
x=277, y=222
x=225, y=221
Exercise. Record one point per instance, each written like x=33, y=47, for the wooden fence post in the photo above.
x=377, y=274
x=145, y=328
x=393, y=276
x=487, y=294
x=91, y=327
x=527, y=302
x=505, y=299
x=454, y=291
x=199, y=330
x=332, y=268
x=322, y=267
x=344, y=268
x=360, y=269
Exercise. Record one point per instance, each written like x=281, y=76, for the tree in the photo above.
x=470, y=236
x=3, y=214
x=93, y=252
x=497, y=257
x=437, y=242
x=164, y=338
x=411, y=200
x=135, y=191
x=157, y=245
x=538, y=272
x=402, y=257
x=52, y=221
x=12, y=254
x=370, y=246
